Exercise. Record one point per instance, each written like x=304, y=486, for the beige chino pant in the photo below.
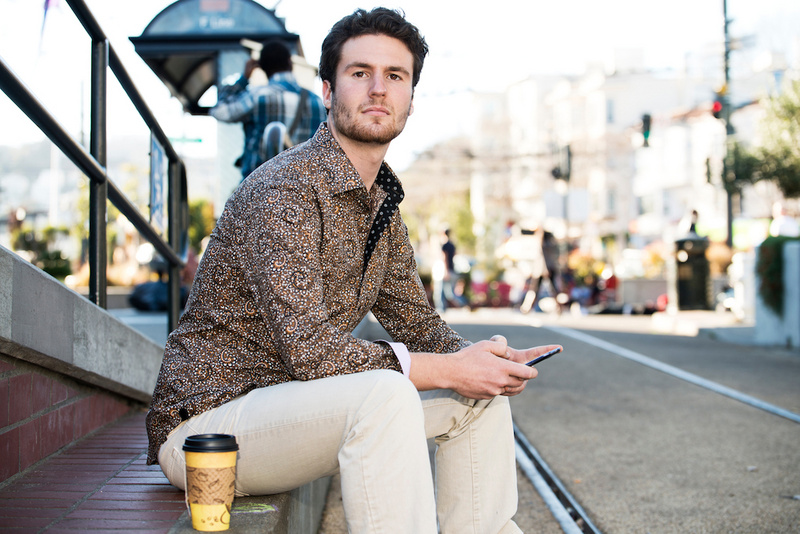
x=372, y=428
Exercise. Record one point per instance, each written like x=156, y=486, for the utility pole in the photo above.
x=726, y=116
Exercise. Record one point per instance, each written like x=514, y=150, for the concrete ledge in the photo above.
x=296, y=512
x=46, y=323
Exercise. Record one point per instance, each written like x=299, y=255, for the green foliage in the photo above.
x=55, y=264
x=783, y=168
x=780, y=151
x=741, y=168
x=453, y=211
x=41, y=251
x=201, y=222
x=461, y=221
x=769, y=266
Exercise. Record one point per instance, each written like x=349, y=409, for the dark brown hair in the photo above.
x=379, y=21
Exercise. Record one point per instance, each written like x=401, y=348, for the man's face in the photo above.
x=373, y=96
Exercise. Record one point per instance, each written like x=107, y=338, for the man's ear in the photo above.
x=327, y=93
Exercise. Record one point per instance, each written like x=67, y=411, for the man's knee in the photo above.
x=499, y=407
x=390, y=413
x=501, y=402
x=394, y=385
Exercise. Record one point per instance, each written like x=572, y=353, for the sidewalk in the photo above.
x=721, y=326
x=100, y=484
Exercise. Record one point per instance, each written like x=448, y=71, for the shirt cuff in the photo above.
x=402, y=354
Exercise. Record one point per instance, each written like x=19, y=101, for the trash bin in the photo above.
x=694, y=273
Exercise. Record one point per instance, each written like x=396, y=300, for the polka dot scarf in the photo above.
x=387, y=181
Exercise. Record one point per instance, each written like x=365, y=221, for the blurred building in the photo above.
x=569, y=153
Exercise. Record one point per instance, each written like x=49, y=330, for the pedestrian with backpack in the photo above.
x=292, y=111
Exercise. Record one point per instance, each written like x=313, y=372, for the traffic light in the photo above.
x=722, y=109
x=646, y=122
x=718, y=106
x=563, y=168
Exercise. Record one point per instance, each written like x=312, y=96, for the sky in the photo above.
x=474, y=46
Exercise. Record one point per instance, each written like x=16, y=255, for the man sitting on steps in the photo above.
x=309, y=244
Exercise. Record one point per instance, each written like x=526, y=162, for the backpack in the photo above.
x=277, y=137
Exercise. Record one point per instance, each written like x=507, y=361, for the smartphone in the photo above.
x=544, y=356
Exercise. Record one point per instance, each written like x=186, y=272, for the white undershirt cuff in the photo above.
x=402, y=354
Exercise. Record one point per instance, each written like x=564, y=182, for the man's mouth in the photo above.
x=376, y=111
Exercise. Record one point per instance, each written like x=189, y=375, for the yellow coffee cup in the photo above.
x=210, y=479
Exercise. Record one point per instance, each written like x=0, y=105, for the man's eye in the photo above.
x=359, y=74
x=395, y=77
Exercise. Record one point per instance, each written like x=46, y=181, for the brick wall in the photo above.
x=41, y=412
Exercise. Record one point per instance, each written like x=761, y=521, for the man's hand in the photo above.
x=524, y=355
x=480, y=371
x=249, y=67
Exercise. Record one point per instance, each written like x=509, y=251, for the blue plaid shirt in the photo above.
x=257, y=106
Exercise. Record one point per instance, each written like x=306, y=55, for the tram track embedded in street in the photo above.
x=570, y=515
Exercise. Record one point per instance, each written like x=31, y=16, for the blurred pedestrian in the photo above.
x=687, y=226
x=282, y=100
x=783, y=223
x=551, y=254
x=542, y=281
x=446, y=296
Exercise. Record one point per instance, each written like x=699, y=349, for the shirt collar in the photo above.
x=285, y=78
x=390, y=183
x=344, y=176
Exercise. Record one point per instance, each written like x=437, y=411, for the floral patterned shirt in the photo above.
x=301, y=253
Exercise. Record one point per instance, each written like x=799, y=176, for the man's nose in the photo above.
x=378, y=86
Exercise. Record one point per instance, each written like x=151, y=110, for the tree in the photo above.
x=741, y=168
x=459, y=214
x=40, y=249
x=780, y=150
x=201, y=222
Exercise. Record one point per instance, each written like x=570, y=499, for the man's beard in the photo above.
x=379, y=134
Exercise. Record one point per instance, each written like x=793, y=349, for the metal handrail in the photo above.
x=93, y=163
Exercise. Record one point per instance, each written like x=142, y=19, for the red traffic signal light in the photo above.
x=716, y=109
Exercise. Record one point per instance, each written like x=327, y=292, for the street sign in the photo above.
x=158, y=186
